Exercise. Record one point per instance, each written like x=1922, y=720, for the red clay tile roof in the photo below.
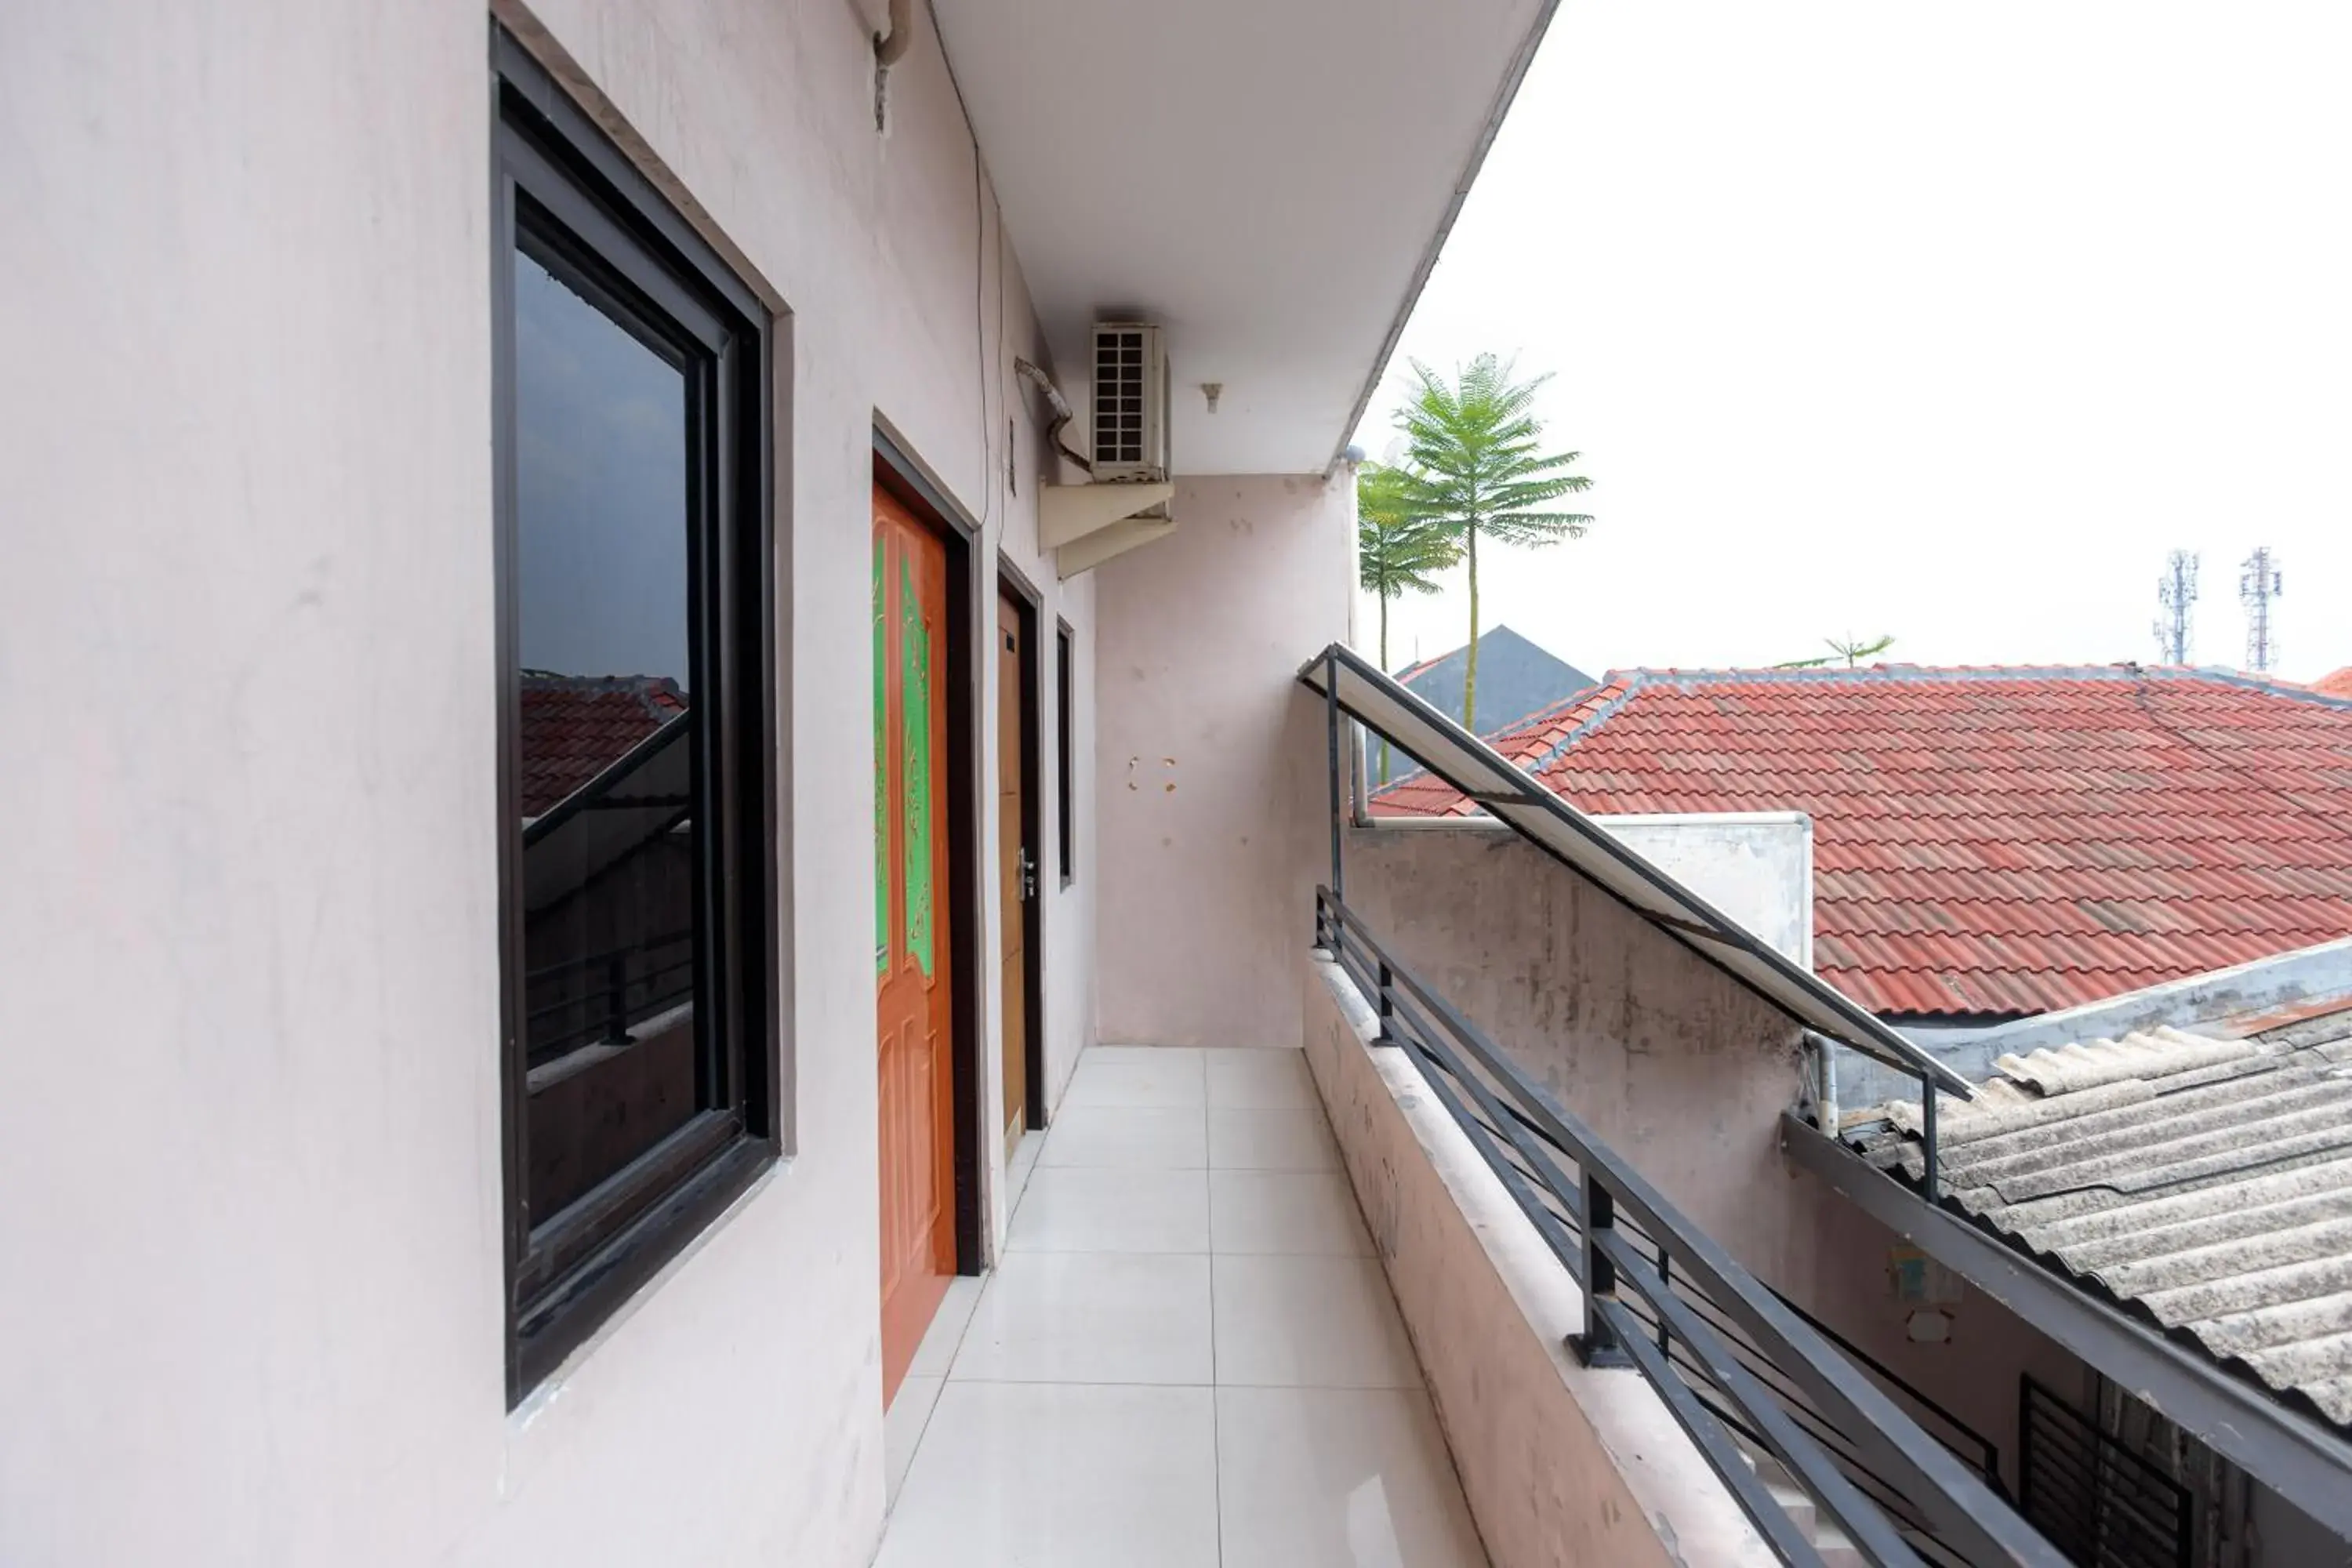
x=1999, y=841
x=2339, y=684
x=575, y=726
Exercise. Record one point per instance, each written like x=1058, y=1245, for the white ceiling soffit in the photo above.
x=1270, y=179
x=1574, y=839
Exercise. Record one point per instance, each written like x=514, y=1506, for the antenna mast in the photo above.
x=2175, y=590
x=2258, y=584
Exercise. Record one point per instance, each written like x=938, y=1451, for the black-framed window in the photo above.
x=1066, y=723
x=636, y=723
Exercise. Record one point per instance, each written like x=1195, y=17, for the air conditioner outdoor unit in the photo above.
x=1129, y=484
x=1130, y=404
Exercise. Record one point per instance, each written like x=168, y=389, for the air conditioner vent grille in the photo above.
x=1121, y=373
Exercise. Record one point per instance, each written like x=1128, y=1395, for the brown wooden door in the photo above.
x=1017, y=869
x=914, y=1001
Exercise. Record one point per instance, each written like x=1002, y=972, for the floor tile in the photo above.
x=1260, y=1080
x=902, y=1426
x=1331, y=1478
x=1141, y=1054
x=1286, y=1211
x=1090, y=1317
x=1173, y=1080
x=1053, y=1476
x=1086, y=1208
x=1018, y=1168
x=1322, y=1322
x=940, y=1341
x=1133, y=1137
x=1244, y=1140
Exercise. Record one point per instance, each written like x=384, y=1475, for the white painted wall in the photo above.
x=1756, y=867
x=249, y=1099
x=1210, y=758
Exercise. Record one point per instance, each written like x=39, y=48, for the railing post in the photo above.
x=1665, y=1282
x=1386, y=1003
x=616, y=999
x=2024, y=1442
x=1597, y=1345
x=1931, y=1177
x=1331, y=733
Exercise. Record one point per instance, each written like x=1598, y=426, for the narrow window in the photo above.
x=637, y=725
x=1066, y=683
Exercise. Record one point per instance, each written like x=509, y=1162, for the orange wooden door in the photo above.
x=914, y=1003
x=1016, y=867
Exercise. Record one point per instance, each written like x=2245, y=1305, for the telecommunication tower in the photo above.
x=2175, y=590
x=2258, y=584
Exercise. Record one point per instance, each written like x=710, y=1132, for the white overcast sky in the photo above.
x=1942, y=321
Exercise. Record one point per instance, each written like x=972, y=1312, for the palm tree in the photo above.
x=1396, y=552
x=1852, y=648
x=1856, y=649
x=1477, y=467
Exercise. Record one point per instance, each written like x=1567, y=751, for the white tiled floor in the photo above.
x=1188, y=1356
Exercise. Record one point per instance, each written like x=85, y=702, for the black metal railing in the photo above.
x=596, y=998
x=1981, y=1456
x=1382, y=694
x=1982, y=1453
x=1744, y=1374
x=2100, y=1503
x=1972, y=1447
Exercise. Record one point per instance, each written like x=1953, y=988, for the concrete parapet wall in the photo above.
x=1560, y=1463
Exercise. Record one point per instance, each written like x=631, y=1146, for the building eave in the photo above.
x=2291, y=1453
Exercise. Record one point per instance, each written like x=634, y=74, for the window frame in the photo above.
x=1065, y=739
x=556, y=177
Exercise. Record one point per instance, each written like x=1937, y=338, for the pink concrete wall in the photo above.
x=1561, y=1464
x=1685, y=1073
x=1210, y=758
x=1974, y=1374
x=1672, y=1063
x=246, y=605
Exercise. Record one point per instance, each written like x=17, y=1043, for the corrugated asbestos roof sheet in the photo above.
x=2001, y=841
x=2204, y=1181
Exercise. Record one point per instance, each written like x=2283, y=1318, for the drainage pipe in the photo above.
x=890, y=47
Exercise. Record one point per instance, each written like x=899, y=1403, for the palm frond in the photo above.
x=1397, y=550
x=1475, y=457
x=1855, y=650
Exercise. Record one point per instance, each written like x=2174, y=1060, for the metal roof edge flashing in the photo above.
x=2302, y=974
x=2295, y=1453
x=1382, y=705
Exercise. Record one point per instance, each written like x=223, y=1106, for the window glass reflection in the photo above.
x=607, y=766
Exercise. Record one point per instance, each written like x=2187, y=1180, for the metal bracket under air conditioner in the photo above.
x=1086, y=525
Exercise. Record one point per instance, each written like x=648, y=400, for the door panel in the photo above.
x=914, y=996
x=1016, y=867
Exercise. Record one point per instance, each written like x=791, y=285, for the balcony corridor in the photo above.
x=1189, y=1357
